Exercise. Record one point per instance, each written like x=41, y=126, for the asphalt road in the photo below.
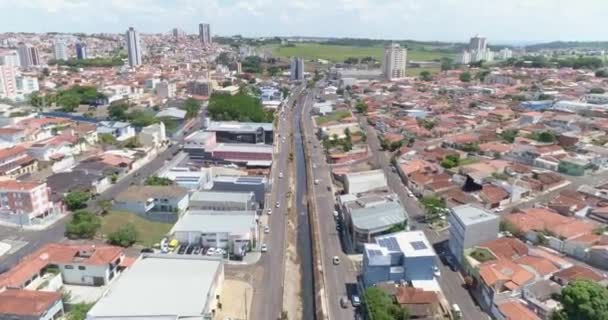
x=340, y=280
x=452, y=283
x=267, y=301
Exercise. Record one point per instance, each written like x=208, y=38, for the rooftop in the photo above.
x=208, y=223
x=17, y=302
x=151, y=286
x=234, y=126
x=411, y=243
x=381, y=216
x=216, y=196
x=143, y=193
x=470, y=215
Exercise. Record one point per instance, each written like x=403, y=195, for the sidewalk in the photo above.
x=44, y=224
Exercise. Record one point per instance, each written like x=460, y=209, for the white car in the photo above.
x=436, y=272
x=277, y=204
x=264, y=248
x=269, y=212
x=211, y=251
x=266, y=229
x=281, y=175
x=336, y=260
x=316, y=181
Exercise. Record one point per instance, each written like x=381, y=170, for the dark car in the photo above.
x=147, y=250
x=182, y=249
x=451, y=262
x=197, y=250
x=190, y=249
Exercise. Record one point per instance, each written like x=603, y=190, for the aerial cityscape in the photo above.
x=157, y=164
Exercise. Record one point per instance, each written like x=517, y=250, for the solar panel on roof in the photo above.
x=418, y=245
x=374, y=253
x=390, y=243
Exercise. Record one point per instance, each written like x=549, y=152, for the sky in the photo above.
x=501, y=21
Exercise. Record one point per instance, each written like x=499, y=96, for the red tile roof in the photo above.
x=514, y=310
x=26, y=302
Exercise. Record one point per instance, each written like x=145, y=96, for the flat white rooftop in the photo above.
x=160, y=287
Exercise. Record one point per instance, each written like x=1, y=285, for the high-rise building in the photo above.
x=26, y=84
x=297, y=69
x=465, y=57
x=28, y=55
x=165, y=89
x=505, y=54
x=478, y=44
x=60, y=50
x=204, y=33
x=81, y=51
x=201, y=87
x=133, y=47
x=9, y=58
x=394, y=62
x=8, y=82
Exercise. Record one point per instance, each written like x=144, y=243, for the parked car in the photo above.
x=277, y=204
x=269, y=212
x=344, y=302
x=147, y=250
x=436, y=272
x=190, y=249
x=356, y=301
x=336, y=260
x=182, y=249
x=211, y=251
x=266, y=229
x=197, y=250
x=264, y=248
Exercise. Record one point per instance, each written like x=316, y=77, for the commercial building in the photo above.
x=8, y=82
x=297, y=69
x=401, y=256
x=81, y=51
x=394, y=62
x=166, y=90
x=256, y=184
x=9, y=58
x=470, y=226
x=204, y=33
x=133, y=47
x=229, y=90
x=25, y=203
x=90, y=265
x=153, y=135
x=223, y=201
x=241, y=132
x=201, y=87
x=255, y=155
x=157, y=203
x=364, y=181
x=20, y=304
x=60, y=51
x=232, y=230
x=26, y=84
x=164, y=287
x=28, y=56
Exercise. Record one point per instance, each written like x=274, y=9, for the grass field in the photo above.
x=334, y=116
x=148, y=232
x=337, y=53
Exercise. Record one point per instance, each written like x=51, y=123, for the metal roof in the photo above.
x=378, y=217
x=216, y=196
x=212, y=223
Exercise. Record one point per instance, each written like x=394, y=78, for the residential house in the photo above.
x=20, y=304
x=577, y=272
x=420, y=303
x=515, y=310
x=25, y=203
x=494, y=196
x=119, y=130
x=15, y=162
x=93, y=265
x=157, y=203
x=153, y=135
x=540, y=297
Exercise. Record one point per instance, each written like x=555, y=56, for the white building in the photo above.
x=596, y=98
x=153, y=135
x=60, y=50
x=26, y=84
x=165, y=89
x=8, y=82
x=364, y=181
x=157, y=203
x=470, y=226
x=166, y=286
x=134, y=49
x=465, y=57
x=9, y=58
x=234, y=230
x=151, y=83
x=505, y=54
x=394, y=62
x=120, y=130
x=117, y=92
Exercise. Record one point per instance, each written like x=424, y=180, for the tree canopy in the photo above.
x=583, y=300
x=240, y=107
x=425, y=75
x=192, y=107
x=84, y=225
x=465, y=77
x=125, y=236
x=158, y=181
x=77, y=200
x=382, y=306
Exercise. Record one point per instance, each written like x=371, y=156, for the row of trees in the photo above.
x=69, y=99
x=85, y=225
x=240, y=107
x=579, y=62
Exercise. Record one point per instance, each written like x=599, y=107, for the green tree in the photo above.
x=77, y=200
x=104, y=205
x=361, y=107
x=107, y=138
x=583, y=300
x=597, y=90
x=434, y=207
x=425, y=75
x=132, y=143
x=68, y=102
x=447, y=64
x=125, y=236
x=158, y=181
x=509, y=135
x=83, y=225
x=382, y=306
x=465, y=76
x=602, y=73
x=79, y=311
x=450, y=161
x=192, y=107
x=118, y=111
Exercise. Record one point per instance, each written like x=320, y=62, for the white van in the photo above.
x=456, y=311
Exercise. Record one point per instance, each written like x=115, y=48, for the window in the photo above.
x=82, y=268
x=68, y=266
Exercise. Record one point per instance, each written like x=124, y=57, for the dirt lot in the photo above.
x=234, y=305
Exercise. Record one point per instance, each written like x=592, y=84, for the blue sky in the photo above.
x=447, y=20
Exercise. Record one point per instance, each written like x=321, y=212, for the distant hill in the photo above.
x=569, y=45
